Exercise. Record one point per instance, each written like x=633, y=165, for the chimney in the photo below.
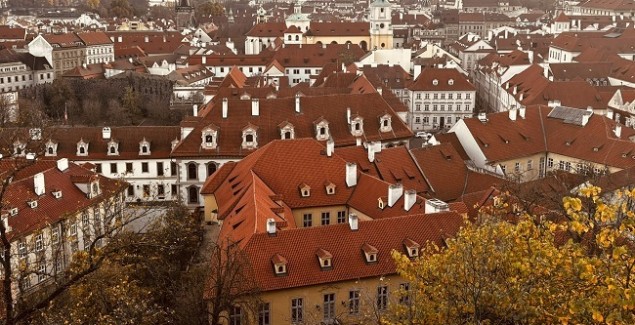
x=521, y=111
x=618, y=130
x=146, y=39
x=512, y=113
x=586, y=116
x=203, y=59
x=225, y=107
x=38, y=184
x=119, y=39
x=106, y=133
x=380, y=91
x=255, y=107
x=351, y=174
x=194, y=110
x=371, y=153
x=62, y=164
x=271, y=227
x=545, y=70
x=330, y=147
x=609, y=114
x=297, y=103
x=358, y=141
x=348, y=115
x=409, y=199
x=353, y=222
x=394, y=193
x=435, y=205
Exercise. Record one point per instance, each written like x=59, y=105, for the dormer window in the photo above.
x=32, y=204
x=412, y=247
x=325, y=259
x=370, y=253
x=113, y=148
x=82, y=148
x=357, y=126
x=57, y=194
x=209, y=137
x=279, y=265
x=50, y=149
x=13, y=212
x=330, y=188
x=435, y=82
x=305, y=190
x=322, y=130
x=144, y=147
x=287, y=131
x=250, y=138
x=381, y=202
x=18, y=148
x=451, y=82
x=385, y=123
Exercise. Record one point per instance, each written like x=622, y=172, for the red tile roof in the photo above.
x=338, y=29
x=447, y=80
x=94, y=38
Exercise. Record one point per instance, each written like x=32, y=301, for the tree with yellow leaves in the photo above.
x=579, y=271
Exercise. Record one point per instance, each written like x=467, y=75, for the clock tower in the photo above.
x=380, y=17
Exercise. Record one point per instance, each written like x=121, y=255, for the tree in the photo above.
x=121, y=9
x=91, y=111
x=93, y=4
x=530, y=271
x=209, y=9
x=56, y=98
x=131, y=104
x=231, y=282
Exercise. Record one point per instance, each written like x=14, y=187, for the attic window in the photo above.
x=82, y=148
x=57, y=194
x=113, y=148
x=279, y=265
x=32, y=204
x=51, y=149
x=13, y=212
x=412, y=247
x=325, y=259
x=330, y=189
x=385, y=123
x=305, y=190
x=209, y=135
x=249, y=139
x=451, y=82
x=370, y=253
x=435, y=82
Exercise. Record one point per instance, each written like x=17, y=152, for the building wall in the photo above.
x=427, y=111
x=65, y=59
x=316, y=214
x=15, y=76
x=100, y=54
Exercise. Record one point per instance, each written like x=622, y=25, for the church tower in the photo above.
x=184, y=14
x=380, y=17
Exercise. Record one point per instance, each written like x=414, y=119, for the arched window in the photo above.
x=249, y=138
x=50, y=150
x=297, y=37
x=82, y=150
x=192, y=194
x=287, y=135
x=209, y=138
x=112, y=149
x=211, y=168
x=192, y=171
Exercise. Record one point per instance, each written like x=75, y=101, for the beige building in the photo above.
x=381, y=32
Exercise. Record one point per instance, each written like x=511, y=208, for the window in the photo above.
x=192, y=194
x=326, y=218
x=98, y=168
x=341, y=216
x=146, y=190
x=172, y=168
x=427, y=96
x=561, y=165
x=503, y=168
x=235, y=315
x=458, y=96
x=191, y=171
x=550, y=163
x=404, y=294
x=144, y=167
x=160, y=170
x=353, y=302
x=173, y=189
x=55, y=235
x=161, y=190
x=426, y=107
x=517, y=167
x=129, y=167
x=22, y=249
x=307, y=220
x=426, y=120
x=468, y=95
x=297, y=311
x=41, y=272
x=417, y=120
x=264, y=317
x=211, y=168
x=130, y=190
x=382, y=297
x=72, y=230
x=25, y=283
x=419, y=95
x=418, y=107
x=39, y=242
x=113, y=168
x=529, y=164
x=329, y=306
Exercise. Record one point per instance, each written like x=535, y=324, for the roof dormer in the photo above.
x=322, y=129
x=50, y=148
x=287, y=131
x=451, y=82
x=325, y=259
x=209, y=137
x=250, y=137
x=435, y=82
x=385, y=123
x=370, y=253
x=357, y=125
x=113, y=148
x=82, y=148
x=57, y=194
x=382, y=202
x=330, y=188
x=32, y=204
x=279, y=265
x=412, y=247
x=305, y=190
x=144, y=147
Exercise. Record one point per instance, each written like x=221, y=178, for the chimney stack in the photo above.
x=348, y=115
x=609, y=114
x=618, y=130
x=194, y=110
x=436, y=205
x=521, y=111
x=62, y=164
x=225, y=107
x=106, y=133
x=255, y=107
x=351, y=174
x=371, y=153
x=394, y=193
x=297, y=103
x=409, y=199
x=38, y=184
x=330, y=147
x=353, y=222
x=271, y=226
x=512, y=113
x=203, y=60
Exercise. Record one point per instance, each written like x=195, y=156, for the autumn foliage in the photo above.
x=577, y=270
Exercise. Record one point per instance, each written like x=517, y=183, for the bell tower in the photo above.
x=184, y=14
x=380, y=16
